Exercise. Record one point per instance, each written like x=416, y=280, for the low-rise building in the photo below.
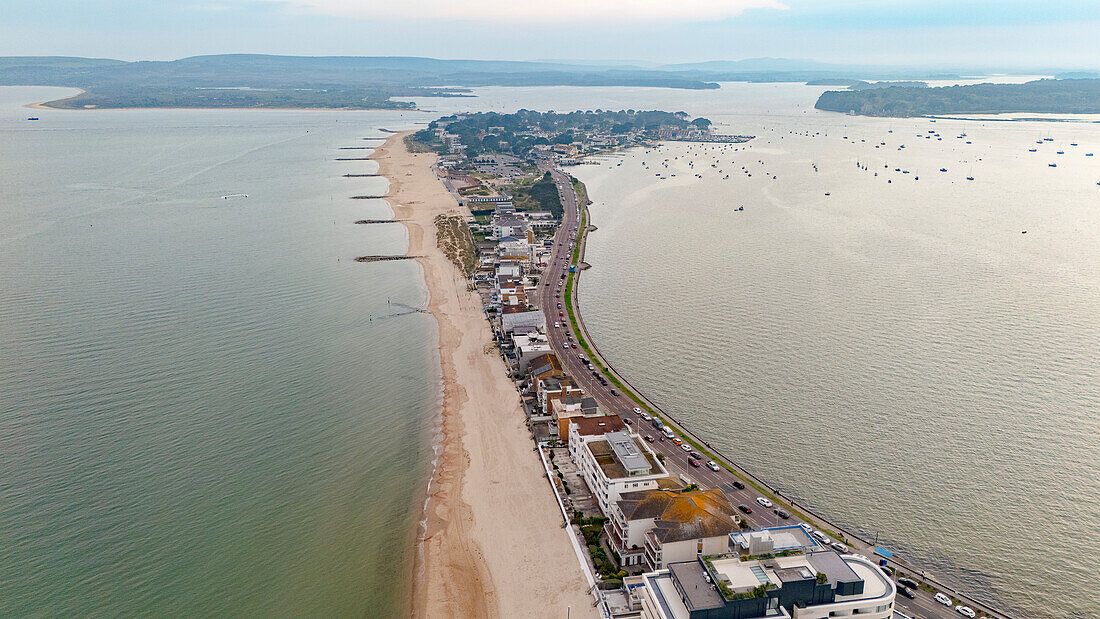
x=530, y=346
x=565, y=409
x=812, y=585
x=657, y=527
x=615, y=463
x=554, y=386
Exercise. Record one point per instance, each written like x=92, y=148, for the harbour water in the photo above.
x=206, y=406
x=918, y=359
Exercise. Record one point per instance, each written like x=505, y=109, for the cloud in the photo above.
x=531, y=11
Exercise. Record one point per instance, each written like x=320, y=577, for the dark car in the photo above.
x=627, y=421
x=649, y=437
x=696, y=455
x=908, y=582
x=907, y=592
x=782, y=513
x=738, y=485
x=745, y=509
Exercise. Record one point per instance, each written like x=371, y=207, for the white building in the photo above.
x=614, y=463
x=530, y=346
x=813, y=585
x=657, y=527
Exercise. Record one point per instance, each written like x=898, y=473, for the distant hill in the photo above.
x=1041, y=96
x=253, y=80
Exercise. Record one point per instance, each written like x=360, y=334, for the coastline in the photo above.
x=41, y=105
x=491, y=525
x=797, y=507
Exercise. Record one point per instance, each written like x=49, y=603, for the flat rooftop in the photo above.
x=629, y=454
x=609, y=463
x=792, y=537
x=698, y=594
x=745, y=575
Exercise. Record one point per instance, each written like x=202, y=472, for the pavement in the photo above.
x=551, y=291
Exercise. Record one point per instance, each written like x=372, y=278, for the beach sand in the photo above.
x=493, y=545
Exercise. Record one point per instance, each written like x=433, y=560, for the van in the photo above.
x=668, y=432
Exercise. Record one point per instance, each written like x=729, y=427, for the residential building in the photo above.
x=566, y=408
x=614, y=463
x=811, y=585
x=658, y=527
x=529, y=346
x=510, y=321
x=554, y=386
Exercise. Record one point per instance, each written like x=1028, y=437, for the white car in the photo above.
x=821, y=536
x=557, y=324
x=943, y=599
x=637, y=410
x=965, y=611
x=807, y=528
x=685, y=447
x=712, y=465
x=763, y=502
x=644, y=416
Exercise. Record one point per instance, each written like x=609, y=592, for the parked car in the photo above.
x=763, y=502
x=965, y=611
x=943, y=599
x=906, y=592
x=712, y=465
x=745, y=509
x=909, y=582
x=737, y=484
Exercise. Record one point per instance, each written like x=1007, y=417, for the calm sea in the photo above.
x=206, y=407
x=919, y=359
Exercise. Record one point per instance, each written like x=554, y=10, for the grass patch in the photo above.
x=454, y=238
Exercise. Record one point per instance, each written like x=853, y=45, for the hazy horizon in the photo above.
x=994, y=36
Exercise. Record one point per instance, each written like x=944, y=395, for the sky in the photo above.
x=991, y=34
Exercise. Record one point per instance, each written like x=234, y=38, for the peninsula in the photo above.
x=334, y=82
x=653, y=534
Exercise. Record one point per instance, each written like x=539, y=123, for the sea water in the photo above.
x=206, y=406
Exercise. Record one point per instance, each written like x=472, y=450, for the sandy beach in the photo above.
x=493, y=545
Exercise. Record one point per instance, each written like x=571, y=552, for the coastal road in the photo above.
x=676, y=460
